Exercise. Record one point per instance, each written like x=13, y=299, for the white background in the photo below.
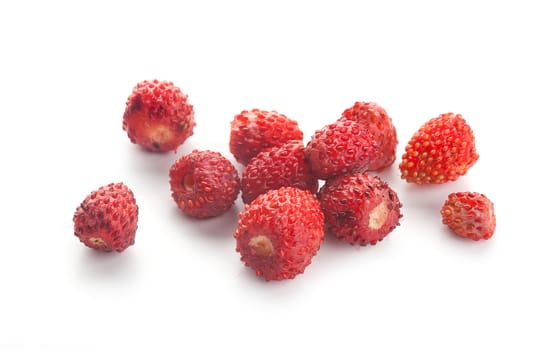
x=66, y=69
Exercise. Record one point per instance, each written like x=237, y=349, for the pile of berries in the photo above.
x=294, y=192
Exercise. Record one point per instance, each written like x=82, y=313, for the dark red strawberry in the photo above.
x=158, y=116
x=107, y=218
x=359, y=208
x=204, y=183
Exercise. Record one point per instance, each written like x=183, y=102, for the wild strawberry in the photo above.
x=359, y=208
x=280, y=232
x=340, y=148
x=442, y=150
x=204, y=183
x=470, y=215
x=283, y=166
x=107, y=218
x=158, y=116
x=255, y=130
x=380, y=125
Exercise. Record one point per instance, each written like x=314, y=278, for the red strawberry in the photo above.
x=340, y=148
x=442, y=150
x=204, y=183
x=158, y=116
x=470, y=215
x=256, y=130
x=280, y=232
x=283, y=166
x=380, y=125
x=107, y=218
x=359, y=208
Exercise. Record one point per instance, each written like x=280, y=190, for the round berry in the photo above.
x=377, y=121
x=280, y=232
x=158, y=116
x=204, y=183
x=359, y=208
x=340, y=148
x=256, y=130
x=283, y=166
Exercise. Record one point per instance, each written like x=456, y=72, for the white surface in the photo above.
x=66, y=70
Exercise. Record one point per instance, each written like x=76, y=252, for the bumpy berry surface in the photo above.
x=283, y=166
x=256, y=130
x=280, y=232
x=359, y=208
x=107, y=218
x=380, y=125
x=204, y=183
x=470, y=215
x=158, y=116
x=442, y=150
x=339, y=148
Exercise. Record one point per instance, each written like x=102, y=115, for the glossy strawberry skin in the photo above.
x=442, y=150
x=256, y=130
x=359, y=208
x=340, y=148
x=283, y=166
x=280, y=232
x=158, y=116
x=470, y=215
x=377, y=121
x=107, y=218
x=204, y=183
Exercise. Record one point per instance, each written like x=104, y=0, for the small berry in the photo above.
x=359, y=208
x=280, y=232
x=256, y=130
x=470, y=215
x=442, y=150
x=340, y=148
x=380, y=125
x=158, y=116
x=204, y=183
x=107, y=218
x=283, y=166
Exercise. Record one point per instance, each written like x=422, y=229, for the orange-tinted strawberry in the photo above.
x=283, y=166
x=204, y=183
x=380, y=125
x=107, y=218
x=256, y=130
x=442, y=150
x=280, y=232
x=470, y=215
x=158, y=116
